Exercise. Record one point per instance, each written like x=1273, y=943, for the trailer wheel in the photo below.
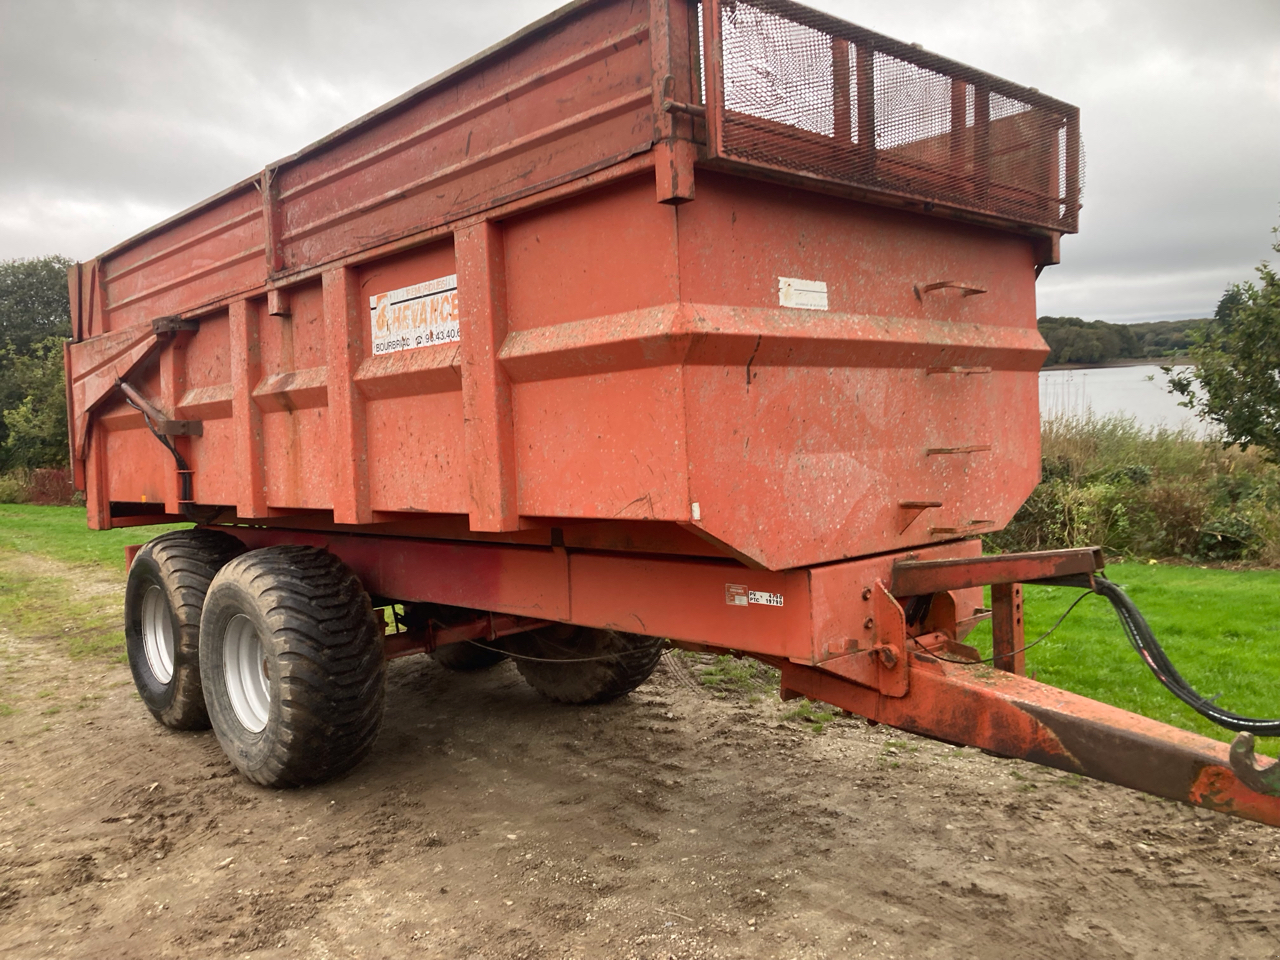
x=163, y=601
x=625, y=661
x=293, y=667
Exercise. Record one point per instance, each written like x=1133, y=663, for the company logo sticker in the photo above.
x=419, y=316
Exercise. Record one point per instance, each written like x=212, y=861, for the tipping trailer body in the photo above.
x=695, y=320
x=649, y=365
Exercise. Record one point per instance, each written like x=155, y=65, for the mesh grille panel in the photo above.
x=805, y=93
x=780, y=71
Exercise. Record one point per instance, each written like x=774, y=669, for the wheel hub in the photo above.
x=157, y=634
x=248, y=681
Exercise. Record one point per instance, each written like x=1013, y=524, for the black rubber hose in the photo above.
x=1153, y=655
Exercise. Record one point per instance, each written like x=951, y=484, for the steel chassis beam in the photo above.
x=839, y=633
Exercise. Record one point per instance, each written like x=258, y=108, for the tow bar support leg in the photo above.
x=1007, y=642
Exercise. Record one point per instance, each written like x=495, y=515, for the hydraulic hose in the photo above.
x=1153, y=655
x=189, y=509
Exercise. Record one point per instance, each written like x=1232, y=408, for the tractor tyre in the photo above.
x=163, y=600
x=293, y=666
x=572, y=664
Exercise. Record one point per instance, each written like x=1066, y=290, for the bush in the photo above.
x=1235, y=382
x=13, y=486
x=1141, y=493
x=48, y=486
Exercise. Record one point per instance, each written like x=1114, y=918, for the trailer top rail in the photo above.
x=768, y=89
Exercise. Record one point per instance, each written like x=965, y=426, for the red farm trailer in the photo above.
x=702, y=322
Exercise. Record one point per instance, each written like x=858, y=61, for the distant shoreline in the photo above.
x=1180, y=361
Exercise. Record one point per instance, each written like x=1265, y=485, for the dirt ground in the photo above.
x=490, y=823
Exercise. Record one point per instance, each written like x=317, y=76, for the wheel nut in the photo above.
x=869, y=623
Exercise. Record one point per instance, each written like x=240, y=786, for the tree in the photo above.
x=35, y=315
x=37, y=426
x=1235, y=382
x=33, y=301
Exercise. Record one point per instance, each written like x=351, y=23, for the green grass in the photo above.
x=62, y=533
x=815, y=716
x=34, y=605
x=727, y=675
x=1221, y=629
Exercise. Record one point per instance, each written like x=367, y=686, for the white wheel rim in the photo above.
x=157, y=634
x=245, y=664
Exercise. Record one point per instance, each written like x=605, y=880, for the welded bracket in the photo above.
x=1244, y=763
x=1008, y=640
x=95, y=366
x=162, y=325
x=162, y=425
x=966, y=289
x=883, y=665
x=912, y=578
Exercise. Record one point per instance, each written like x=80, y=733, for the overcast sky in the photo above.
x=114, y=115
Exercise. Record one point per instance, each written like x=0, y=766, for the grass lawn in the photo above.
x=1221, y=629
x=62, y=533
x=53, y=609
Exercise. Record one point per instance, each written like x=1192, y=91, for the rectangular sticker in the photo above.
x=737, y=595
x=418, y=316
x=802, y=294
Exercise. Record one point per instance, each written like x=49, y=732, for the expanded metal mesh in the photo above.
x=807, y=93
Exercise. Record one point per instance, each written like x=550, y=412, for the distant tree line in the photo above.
x=1072, y=340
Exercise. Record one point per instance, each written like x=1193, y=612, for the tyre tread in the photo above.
x=187, y=561
x=333, y=673
x=633, y=659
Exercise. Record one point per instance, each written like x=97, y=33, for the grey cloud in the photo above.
x=116, y=114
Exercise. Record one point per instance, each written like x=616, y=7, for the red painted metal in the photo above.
x=1007, y=635
x=915, y=577
x=489, y=628
x=812, y=614
x=546, y=339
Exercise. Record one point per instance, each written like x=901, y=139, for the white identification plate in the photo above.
x=802, y=294
x=417, y=316
x=737, y=595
